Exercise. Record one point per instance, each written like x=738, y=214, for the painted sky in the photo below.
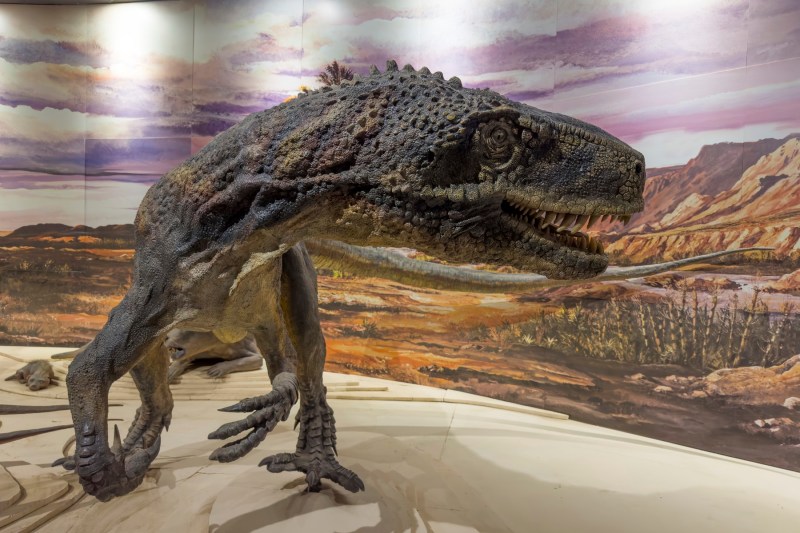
x=101, y=100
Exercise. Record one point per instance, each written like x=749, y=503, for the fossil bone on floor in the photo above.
x=433, y=460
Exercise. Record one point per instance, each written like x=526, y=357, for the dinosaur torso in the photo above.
x=403, y=158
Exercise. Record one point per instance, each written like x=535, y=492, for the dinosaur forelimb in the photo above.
x=112, y=471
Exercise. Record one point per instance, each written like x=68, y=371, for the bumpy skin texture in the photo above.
x=400, y=158
x=37, y=375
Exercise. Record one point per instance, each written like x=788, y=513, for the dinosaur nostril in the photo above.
x=638, y=167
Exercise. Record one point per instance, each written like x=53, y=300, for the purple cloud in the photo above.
x=40, y=180
x=227, y=108
x=215, y=116
x=611, y=46
x=144, y=179
x=53, y=156
x=27, y=51
x=774, y=30
x=210, y=126
x=135, y=157
x=37, y=103
x=127, y=98
x=264, y=47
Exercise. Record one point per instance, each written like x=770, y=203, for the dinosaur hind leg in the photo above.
x=315, y=454
x=277, y=349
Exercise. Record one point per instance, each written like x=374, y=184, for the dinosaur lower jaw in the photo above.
x=559, y=227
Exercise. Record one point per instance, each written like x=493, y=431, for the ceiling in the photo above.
x=70, y=2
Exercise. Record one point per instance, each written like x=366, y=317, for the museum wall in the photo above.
x=96, y=102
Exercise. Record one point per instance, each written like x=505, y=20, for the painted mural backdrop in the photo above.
x=96, y=102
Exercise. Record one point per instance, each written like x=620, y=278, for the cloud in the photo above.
x=30, y=180
x=218, y=110
x=609, y=49
x=774, y=30
x=139, y=158
x=48, y=156
x=675, y=118
x=263, y=47
x=28, y=51
x=43, y=85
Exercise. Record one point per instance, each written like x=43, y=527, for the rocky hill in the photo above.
x=114, y=235
x=730, y=195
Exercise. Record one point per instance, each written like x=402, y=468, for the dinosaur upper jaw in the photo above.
x=561, y=227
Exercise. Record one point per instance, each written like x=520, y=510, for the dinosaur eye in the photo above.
x=497, y=137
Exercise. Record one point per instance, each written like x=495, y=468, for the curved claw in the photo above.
x=280, y=462
x=268, y=410
x=315, y=469
x=105, y=475
x=68, y=463
x=138, y=461
x=284, y=387
x=216, y=372
x=116, y=448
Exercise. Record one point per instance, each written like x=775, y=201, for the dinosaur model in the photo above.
x=399, y=158
x=185, y=347
x=36, y=375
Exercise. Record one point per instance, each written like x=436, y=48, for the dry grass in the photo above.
x=678, y=330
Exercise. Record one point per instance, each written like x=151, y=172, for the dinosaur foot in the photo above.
x=268, y=410
x=316, y=467
x=108, y=472
x=316, y=449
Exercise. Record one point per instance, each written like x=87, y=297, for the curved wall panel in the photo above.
x=96, y=102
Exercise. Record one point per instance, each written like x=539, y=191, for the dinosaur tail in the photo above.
x=378, y=262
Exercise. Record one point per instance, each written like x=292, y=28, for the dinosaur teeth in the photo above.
x=567, y=221
x=582, y=219
x=562, y=227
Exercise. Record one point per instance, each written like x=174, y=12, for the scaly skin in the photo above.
x=401, y=158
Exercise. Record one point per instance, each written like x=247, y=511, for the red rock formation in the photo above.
x=706, y=206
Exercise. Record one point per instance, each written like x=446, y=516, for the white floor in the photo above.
x=434, y=462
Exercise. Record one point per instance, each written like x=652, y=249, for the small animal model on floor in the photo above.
x=402, y=158
x=187, y=347
x=36, y=375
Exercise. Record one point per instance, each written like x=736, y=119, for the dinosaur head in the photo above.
x=470, y=176
x=516, y=185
